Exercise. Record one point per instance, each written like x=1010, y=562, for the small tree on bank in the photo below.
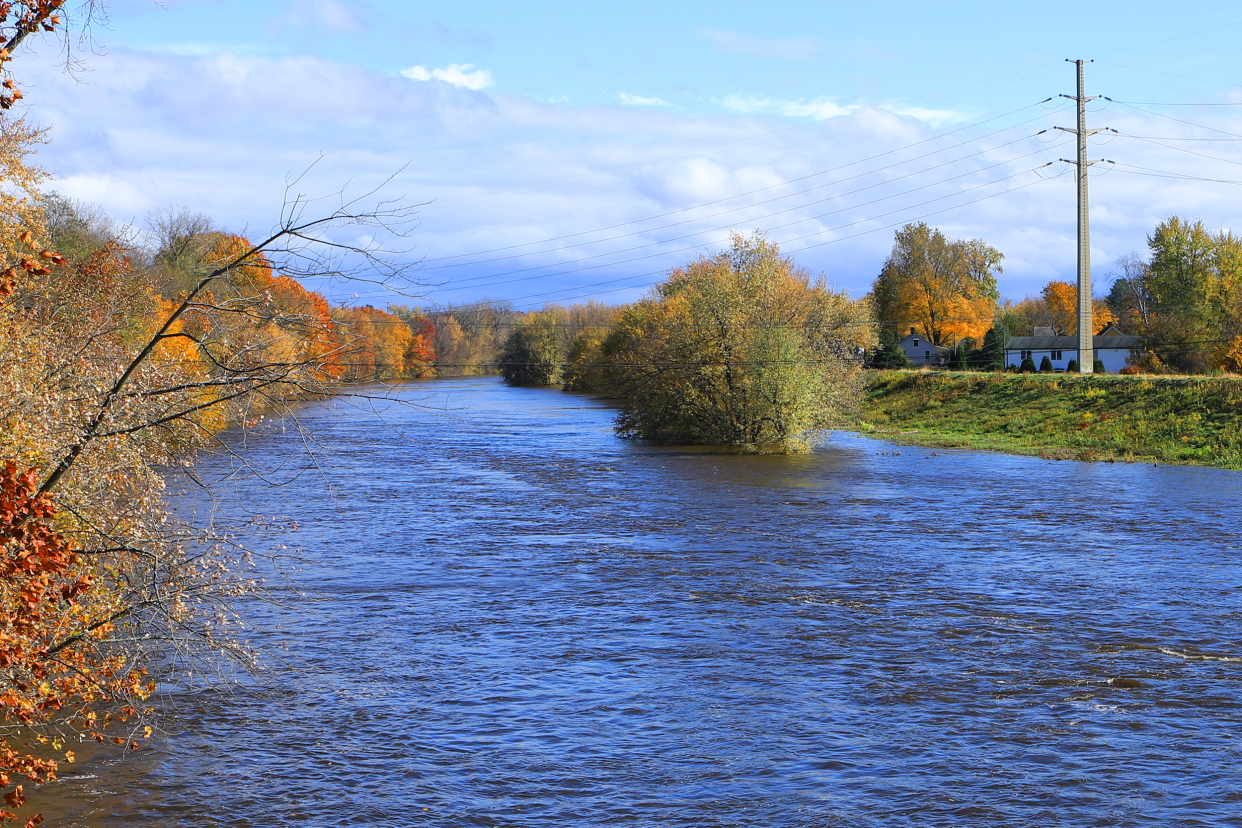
x=992, y=354
x=889, y=355
x=958, y=361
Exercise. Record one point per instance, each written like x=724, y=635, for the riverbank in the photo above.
x=1175, y=419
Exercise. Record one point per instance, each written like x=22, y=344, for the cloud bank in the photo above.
x=599, y=201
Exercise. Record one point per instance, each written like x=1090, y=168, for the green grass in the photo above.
x=1166, y=419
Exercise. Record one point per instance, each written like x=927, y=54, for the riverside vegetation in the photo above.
x=124, y=354
x=714, y=357
x=1167, y=419
x=738, y=349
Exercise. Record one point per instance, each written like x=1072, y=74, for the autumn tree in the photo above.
x=944, y=287
x=532, y=354
x=468, y=338
x=377, y=345
x=557, y=345
x=1061, y=306
x=107, y=384
x=738, y=348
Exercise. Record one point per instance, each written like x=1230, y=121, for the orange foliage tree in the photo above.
x=1056, y=307
x=945, y=287
x=104, y=385
x=378, y=345
x=1061, y=304
x=58, y=671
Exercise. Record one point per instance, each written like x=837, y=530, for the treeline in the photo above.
x=1184, y=298
x=739, y=348
x=123, y=354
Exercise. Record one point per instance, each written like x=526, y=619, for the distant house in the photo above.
x=922, y=352
x=1111, y=346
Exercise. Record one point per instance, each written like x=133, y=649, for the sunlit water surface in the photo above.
x=517, y=619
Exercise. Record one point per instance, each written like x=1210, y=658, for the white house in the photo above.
x=922, y=352
x=1112, y=347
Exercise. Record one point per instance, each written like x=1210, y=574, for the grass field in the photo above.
x=1163, y=419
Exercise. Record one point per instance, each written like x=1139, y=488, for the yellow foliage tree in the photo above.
x=945, y=287
x=1061, y=306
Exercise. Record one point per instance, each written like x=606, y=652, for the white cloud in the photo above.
x=637, y=100
x=791, y=48
x=819, y=109
x=455, y=74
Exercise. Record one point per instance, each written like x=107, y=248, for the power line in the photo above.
x=1171, y=118
x=807, y=247
x=1183, y=149
x=769, y=201
x=1147, y=171
x=778, y=227
x=494, y=279
x=1175, y=37
x=752, y=139
x=758, y=190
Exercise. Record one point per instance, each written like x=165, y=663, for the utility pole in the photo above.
x=1086, y=331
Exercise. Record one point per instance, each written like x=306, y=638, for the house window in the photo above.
x=927, y=356
x=916, y=343
x=1026, y=355
x=1056, y=355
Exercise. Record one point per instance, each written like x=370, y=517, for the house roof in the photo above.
x=1105, y=342
x=926, y=343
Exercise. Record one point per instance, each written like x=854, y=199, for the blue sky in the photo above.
x=530, y=126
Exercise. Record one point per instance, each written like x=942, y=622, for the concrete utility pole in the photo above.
x=1086, y=331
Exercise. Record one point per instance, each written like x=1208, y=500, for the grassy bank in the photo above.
x=1145, y=418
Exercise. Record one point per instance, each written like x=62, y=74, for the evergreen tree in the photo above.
x=1045, y=366
x=1027, y=367
x=1072, y=367
x=890, y=355
x=993, y=351
x=1098, y=367
x=958, y=361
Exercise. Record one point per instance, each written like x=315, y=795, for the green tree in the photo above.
x=1027, y=366
x=958, y=361
x=531, y=355
x=992, y=354
x=741, y=349
x=1045, y=366
x=1180, y=282
x=889, y=355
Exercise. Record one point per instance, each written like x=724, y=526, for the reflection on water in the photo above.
x=525, y=621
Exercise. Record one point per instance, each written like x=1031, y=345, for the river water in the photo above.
x=514, y=618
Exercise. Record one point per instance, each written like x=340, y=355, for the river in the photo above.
x=514, y=618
